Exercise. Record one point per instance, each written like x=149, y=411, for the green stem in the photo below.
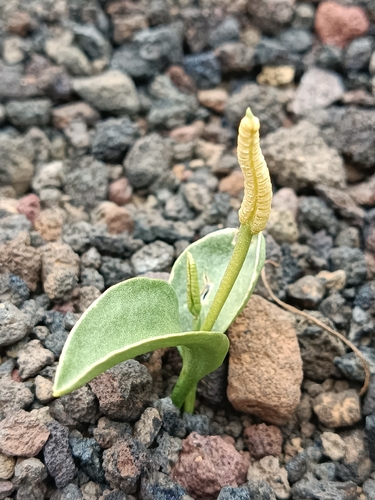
x=190, y=400
x=231, y=273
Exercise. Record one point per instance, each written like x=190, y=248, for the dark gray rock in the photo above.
x=329, y=57
x=365, y=296
x=260, y=490
x=91, y=277
x=87, y=183
x=92, y=41
x=125, y=474
x=115, y=270
x=123, y=391
x=368, y=488
x=197, y=423
x=108, y=432
x=70, y=492
x=157, y=256
x=369, y=402
x=204, y=69
x=336, y=309
x=57, y=455
x=233, y=493
x=77, y=408
x=358, y=53
x=29, y=476
x=172, y=112
x=311, y=488
x=356, y=465
x=166, y=454
x=148, y=160
x=325, y=471
x=56, y=341
x=213, y=386
x=14, y=324
x=13, y=289
x=13, y=395
x=370, y=433
x=270, y=52
x=77, y=235
x=317, y=215
x=30, y=113
x=151, y=226
x=307, y=292
x=121, y=245
x=296, y=40
x=171, y=418
x=11, y=226
x=176, y=208
x=227, y=31
x=88, y=453
x=32, y=358
x=157, y=485
x=351, y=366
x=296, y=467
x=112, y=139
x=352, y=261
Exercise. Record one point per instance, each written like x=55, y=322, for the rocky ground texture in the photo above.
x=117, y=149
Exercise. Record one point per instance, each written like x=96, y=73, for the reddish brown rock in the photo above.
x=182, y=80
x=370, y=239
x=285, y=199
x=120, y=191
x=263, y=440
x=125, y=26
x=339, y=25
x=21, y=259
x=49, y=224
x=265, y=366
x=22, y=435
x=232, y=184
x=364, y=192
x=340, y=409
x=117, y=218
x=19, y=23
x=64, y=116
x=207, y=464
x=30, y=206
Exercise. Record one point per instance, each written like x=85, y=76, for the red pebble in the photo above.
x=30, y=206
x=120, y=191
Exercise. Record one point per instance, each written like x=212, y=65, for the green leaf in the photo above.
x=129, y=319
x=193, y=294
x=212, y=254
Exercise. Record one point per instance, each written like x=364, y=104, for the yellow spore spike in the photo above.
x=256, y=205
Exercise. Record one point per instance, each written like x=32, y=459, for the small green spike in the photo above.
x=193, y=293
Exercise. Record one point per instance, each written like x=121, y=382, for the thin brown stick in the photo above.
x=319, y=323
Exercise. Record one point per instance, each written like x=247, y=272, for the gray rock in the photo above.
x=197, y=423
x=233, y=493
x=369, y=402
x=319, y=88
x=204, y=68
x=49, y=175
x=78, y=407
x=336, y=309
x=370, y=433
x=214, y=385
x=87, y=183
x=14, y=324
x=196, y=195
x=91, y=277
x=266, y=103
x=30, y=113
x=12, y=225
x=171, y=418
x=157, y=256
x=365, y=296
x=139, y=61
x=227, y=31
x=88, y=453
x=325, y=471
x=70, y=492
x=356, y=465
x=315, y=213
x=92, y=41
x=125, y=474
x=165, y=455
x=298, y=157
x=112, y=139
x=307, y=292
x=151, y=226
x=112, y=91
x=29, y=476
x=122, y=245
x=157, y=485
x=296, y=40
x=176, y=208
x=148, y=160
x=311, y=488
x=358, y=53
x=352, y=261
x=351, y=366
x=148, y=426
x=172, y=112
x=115, y=270
x=16, y=168
x=32, y=358
x=56, y=341
x=77, y=235
x=6, y=489
x=368, y=488
x=260, y=490
x=123, y=391
x=270, y=52
x=329, y=57
x=271, y=16
x=58, y=456
x=296, y=467
x=91, y=258
x=13, y=396
x=13, y=289
x=108, y=432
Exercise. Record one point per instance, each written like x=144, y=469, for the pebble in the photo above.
x=352, y=367
x=299, y=157
x=307, y=292
x=43, y=389
x=370, y=433
x=7, y=465
x=358, y=54
x=363, y=193
x=29, y=476
x=207, y=464
x=88, y=454
x=263, y=440
x=123, y=391
x=333, y=446
x=268, y=469
x=157, y=256
x=33, y=112
x=255, y=354
x=204, y=69
x=108, y=432
x=57, y=455
x=214, y=99
x=120, y=191
x=115, y=270
x=80, y=406
x=112, y=91
x=148, y=426
x=21, y=435
x=271, y=17
x=338, y=409
x=112, y=139
x=159, y=485
x=232, y=493
x=282, y=226
x=117, y=219
x=171, y=417
x=352, y=261
x=276, y=75
x=65, y=115
x=260, y=490
x=13, y=396
x=32, y=358
x=125, y=473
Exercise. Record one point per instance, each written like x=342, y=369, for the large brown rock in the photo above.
x=22, y=435
x=207, y=464
x=19, y=258
x=265, y=366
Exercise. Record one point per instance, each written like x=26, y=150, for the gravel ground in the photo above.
x=117, y=149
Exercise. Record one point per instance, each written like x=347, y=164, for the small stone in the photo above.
x=33, y=358
x=276, y=75
x=307, y=292
x=115, y=270
x=6, y=489
x=157, y=256
x=108, y=432
x=7, y=465
x=318, y=88
x=233, y=184
x=43, y=389
x=80, y=406
x=125, y=463
x=296, y=467
x=338, y=409
x=232, y=493
x=271, y=16
x=148, y=426
x=29, y=476
x=352, y=261
x=112, y=91
x=21, y=435
x=87, y=183
x=14, y=324
x=282, y=226
x=123, y=391
x=356, y=465
x=120, y=191
x=88, y=454
x=333, y=446
x=171, y=417
x=70, y=492
x=117, y=219
x=299, y=157
x=364, y=192
x=60, y=270
x=214, y=99
x=165, y=456
x=19, y=23
x=112, y=139
x=64, y=116
x=268, y=469
x=204, y=69
x=30, y=206
x=263, y=440
x=30, y=113
x=263, y=339
x=57, y=455
x=157, y=485
x=13, y=396
x=207, y=464
x=370, y=433
x=337, y=24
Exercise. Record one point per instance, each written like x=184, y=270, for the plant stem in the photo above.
x=190, y=400
x=231, y=273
